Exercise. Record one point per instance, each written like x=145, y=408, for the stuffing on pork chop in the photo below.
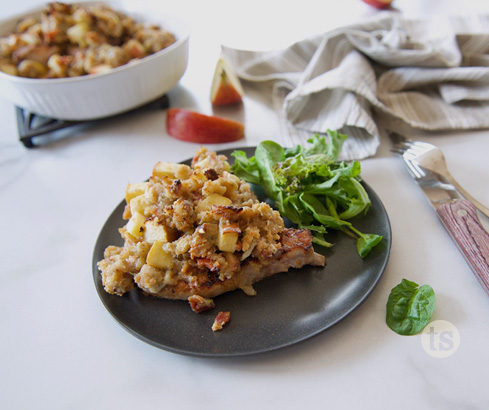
x=200, y=231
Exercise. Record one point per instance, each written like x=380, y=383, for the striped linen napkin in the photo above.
x=430, y=74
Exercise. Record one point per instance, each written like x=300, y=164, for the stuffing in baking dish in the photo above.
x=74, y=40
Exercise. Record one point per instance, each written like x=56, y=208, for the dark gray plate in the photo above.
x=289, y=307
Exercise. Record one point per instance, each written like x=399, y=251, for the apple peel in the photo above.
x=191, y=126
x=379, y=4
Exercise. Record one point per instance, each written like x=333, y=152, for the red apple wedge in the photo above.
x=226, y=88
x=379, y=4
x=192, y=126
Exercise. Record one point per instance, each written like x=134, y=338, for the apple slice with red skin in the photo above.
x=379, y=4
x=191, y=126
x=226, y=88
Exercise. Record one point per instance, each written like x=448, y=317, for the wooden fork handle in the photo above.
x=460, y=219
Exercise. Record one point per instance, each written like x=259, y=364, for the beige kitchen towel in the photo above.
x=431, y=74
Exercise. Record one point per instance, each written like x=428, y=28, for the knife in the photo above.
x=457, y=214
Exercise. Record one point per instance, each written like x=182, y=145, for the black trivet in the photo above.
x=32, y=125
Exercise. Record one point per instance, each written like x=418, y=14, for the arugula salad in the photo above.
x=310, y=187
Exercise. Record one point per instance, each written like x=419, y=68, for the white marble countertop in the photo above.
x=60, y=348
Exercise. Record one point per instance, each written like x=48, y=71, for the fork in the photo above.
x=425, y=161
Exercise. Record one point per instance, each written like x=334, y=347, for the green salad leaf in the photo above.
x=409, y=307
x=310, y=187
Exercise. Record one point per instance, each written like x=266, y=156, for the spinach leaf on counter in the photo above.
x=409, y=307
x=310, y=187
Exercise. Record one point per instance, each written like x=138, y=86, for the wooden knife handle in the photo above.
x=460, y=219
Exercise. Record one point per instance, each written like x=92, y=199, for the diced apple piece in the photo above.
x=8, y=68
x=31, y=69
x=134, y=190
x=137, y=204
x=226, y=88
x=141, y=202
x=159, y=258
x=134, y=48
x=77, y=33
x=228, y=236
x=100, y=69
x=171, y=170
x=213, y=199
x=192, y=126
x=210, y=230
x=228, y=241
x=154, y=231
x=135, y=225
